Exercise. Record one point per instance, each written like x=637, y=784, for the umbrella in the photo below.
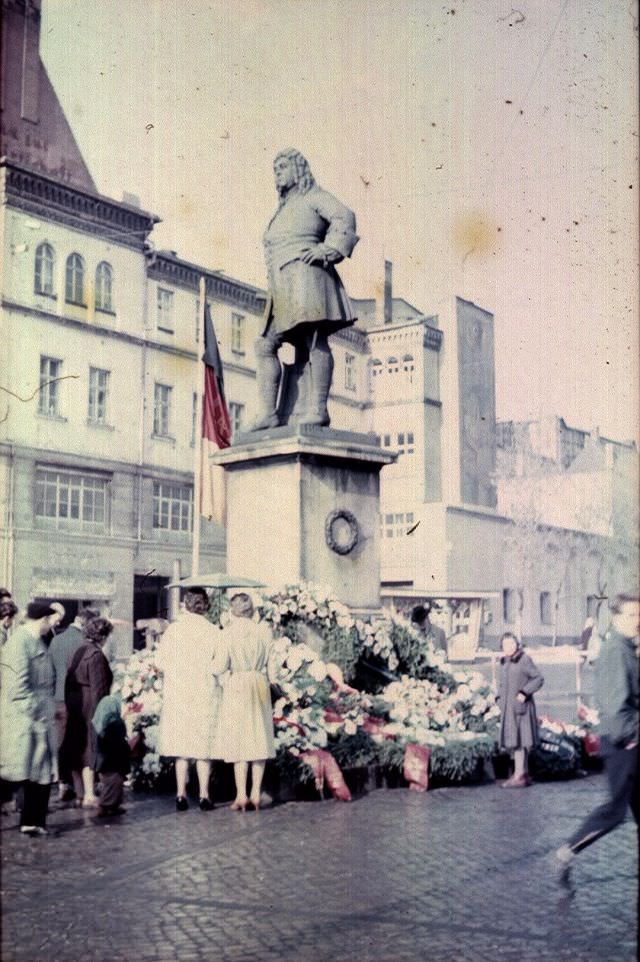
x=217, y=580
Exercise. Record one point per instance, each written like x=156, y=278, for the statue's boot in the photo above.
x=268, y=374
x=321, y=361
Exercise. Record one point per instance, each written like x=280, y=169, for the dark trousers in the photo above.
x=35, y=804
x=621, y=765
x=61, y=715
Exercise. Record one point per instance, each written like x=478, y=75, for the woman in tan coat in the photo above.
x=245, y=729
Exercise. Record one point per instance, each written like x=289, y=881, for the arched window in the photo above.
x=408, y=363
x=376, y=367
x=43, y=275
x=104, y=287
x=74, y=280
x=392, y=365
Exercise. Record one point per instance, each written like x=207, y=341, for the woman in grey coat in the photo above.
x=519, y=679
x=27, y=709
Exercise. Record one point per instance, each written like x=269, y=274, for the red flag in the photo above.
x=216, y=426
x=216, y=423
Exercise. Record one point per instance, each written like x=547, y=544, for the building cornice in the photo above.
x=100, y=331
x=431, y=336
x=41, y=196
x=68, y=459
x=214, y=548
x=355, y=337
x=162, y=266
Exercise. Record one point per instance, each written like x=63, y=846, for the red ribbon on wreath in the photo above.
x=281, y=720
x=376, y=727
x=416, y=767
x=333, y=717
x=591, y=743
x=324, y=766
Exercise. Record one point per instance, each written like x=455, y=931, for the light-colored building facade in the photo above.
x=97, y=416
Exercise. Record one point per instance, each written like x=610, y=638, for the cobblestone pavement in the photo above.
x=456, y=875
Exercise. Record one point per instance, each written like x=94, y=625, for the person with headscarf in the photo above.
x=28, y=743
x=89, y=679
x=190, y=695
x=113, y=756
x=310, y=232
x=519, y=679
x=245, y=730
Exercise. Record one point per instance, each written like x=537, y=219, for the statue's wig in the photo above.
x=304, y=177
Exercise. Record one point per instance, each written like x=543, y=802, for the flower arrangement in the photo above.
x=139, y=684
x=453, y=713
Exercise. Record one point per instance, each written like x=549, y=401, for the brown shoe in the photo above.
x=521, y=781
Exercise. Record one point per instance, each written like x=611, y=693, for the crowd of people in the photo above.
x=61, y=723
x=56, y=713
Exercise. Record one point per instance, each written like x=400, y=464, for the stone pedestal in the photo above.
x=303, y=504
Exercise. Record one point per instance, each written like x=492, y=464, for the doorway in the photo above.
x=149, y=601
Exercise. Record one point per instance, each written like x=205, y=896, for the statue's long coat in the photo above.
x=302, y=293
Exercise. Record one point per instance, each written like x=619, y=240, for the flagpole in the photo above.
x=197, y=465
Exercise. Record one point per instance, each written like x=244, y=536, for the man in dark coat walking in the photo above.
x=618, y=699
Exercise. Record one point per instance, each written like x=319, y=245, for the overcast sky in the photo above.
x=489, y=149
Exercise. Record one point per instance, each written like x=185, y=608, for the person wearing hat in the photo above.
x=245, y=730
x=28, y=744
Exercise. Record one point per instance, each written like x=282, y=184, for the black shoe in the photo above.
x=181, y=804
x=110, y=811
x=206, y=805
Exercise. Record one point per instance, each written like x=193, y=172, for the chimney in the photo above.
x=388, y=292
x=30, y=100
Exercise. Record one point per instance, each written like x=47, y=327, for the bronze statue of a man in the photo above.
x=309, y=233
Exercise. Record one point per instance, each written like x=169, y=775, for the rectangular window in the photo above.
x=165, y=310
x=546, y=608
x=161, y=410
x=386, y=440
x=237, y=333
x=236, y=413
x=49, y=395
x=405, y=443
x=509, y=605
x=69, y=499
x=350, y=372
x=396, y=525
x=98, y=394
x=172, y=506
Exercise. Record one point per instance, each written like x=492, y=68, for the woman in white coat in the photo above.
x=190, y=695
x=245, y=729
